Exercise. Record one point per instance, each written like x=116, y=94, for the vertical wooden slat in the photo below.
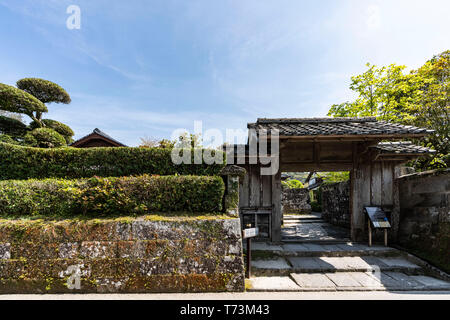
x=255, y=187
x=387, y=190
x=243, y=192
x=266, y=191
x=375, y=180
x=276, y=211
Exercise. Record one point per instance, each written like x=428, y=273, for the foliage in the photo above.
x=59, y=127
x=185, y=140
x=29, y=99
x=19, y=101
x=111, y=196
x=419, y=98
x=188, y=140
x=17, y=162
x=44, y=138
x=46, y=91
x=332, y=177
x=7, y=139
x=316, y=199
x=292, y=184
x=155, y=143
x=12, y=127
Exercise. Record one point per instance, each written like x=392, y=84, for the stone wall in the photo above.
x=335, y=203
x=424, y=222
x=146, y=254
x=295, y=201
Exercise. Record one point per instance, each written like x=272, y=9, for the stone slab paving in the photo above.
x=312, y=231
x=264, y=246
x=270, y=266
x=341, y=264
x=404, y=280
x=273, y=284
x=317, y=281
x=314, y=249
x=398, y=262
x=430, y=282
x=343, y=279
x=367, y=280
x=348, y=281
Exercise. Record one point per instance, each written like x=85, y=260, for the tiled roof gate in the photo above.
x=335, y=126
x=327, y=144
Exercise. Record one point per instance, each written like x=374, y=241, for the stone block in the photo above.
x=5, y=251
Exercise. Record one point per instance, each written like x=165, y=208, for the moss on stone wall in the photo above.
x=146, y=254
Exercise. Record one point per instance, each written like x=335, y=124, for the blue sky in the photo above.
x=144, y=68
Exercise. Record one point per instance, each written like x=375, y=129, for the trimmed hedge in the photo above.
x=111, y=196
x=17, y=162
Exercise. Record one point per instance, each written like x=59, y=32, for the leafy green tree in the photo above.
x=59, y=127
x=15, y=100
x=12, y=127
x=332, y=177
x=29, y=98
x=44, y=90
x=44, y=138
x=292, y=184
x=419, y=98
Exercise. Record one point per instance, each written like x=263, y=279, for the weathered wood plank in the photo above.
x=387, y=184
x=255, y=188
x=375, y=188
x=276, y=212
x=266, y=191
x=244, y=190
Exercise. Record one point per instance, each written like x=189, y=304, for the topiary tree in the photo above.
x=59, y=127
x=7, y=139
x=12, y=127
x=44, y=90
x=19, y=101
x=29, y=98
x=44, y=138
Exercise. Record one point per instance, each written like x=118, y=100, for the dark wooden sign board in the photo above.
x=377, y=220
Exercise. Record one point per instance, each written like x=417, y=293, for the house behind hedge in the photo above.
x=97, y=139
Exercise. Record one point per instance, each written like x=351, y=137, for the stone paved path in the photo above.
x=338, y=267
x=311, y=228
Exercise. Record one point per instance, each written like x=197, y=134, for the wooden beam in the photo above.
x=308, y=167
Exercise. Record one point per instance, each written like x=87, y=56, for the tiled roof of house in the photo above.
x=402, y=147
x=335, y=126
x=100, y=133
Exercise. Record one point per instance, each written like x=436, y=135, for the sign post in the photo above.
x=377, y=220
x=248, y=234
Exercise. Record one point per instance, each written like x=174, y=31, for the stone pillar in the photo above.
x=230, y=175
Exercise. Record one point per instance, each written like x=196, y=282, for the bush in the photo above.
x=17, y=162
x=7, y=139
x=111, y=196
x=59, y=127
x=44, y=138
x=12, y=127
x=292, y=184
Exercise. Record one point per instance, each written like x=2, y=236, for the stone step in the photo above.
x=292, y=223
x=285, y=266
x=347, y=281
x=301, y=218
x=330, y=249
x=321, y=240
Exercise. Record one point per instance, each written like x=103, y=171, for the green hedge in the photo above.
x=17, y=162
x=111, y=196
